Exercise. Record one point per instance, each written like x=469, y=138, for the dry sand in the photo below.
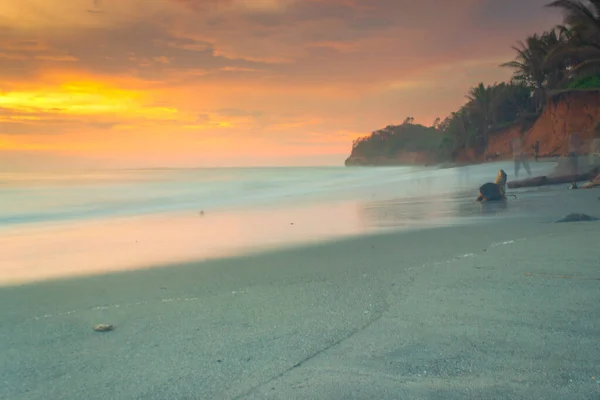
x=445, y=313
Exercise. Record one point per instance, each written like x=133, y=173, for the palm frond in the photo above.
x=593, y=64
x=563, y=53
x=513, y=64
x=578, y=15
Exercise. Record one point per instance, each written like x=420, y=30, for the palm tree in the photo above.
x=529, y=63
x=556, y=68
x=582, y=50
x=511, y=101
x=529, y=66
x=495, y=104
x=582, y=17
x=535, y=67
x=457, y=127
x=482, y=108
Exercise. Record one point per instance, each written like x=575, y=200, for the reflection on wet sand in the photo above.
x=102, y=246
x=493, y=207
x=416, y=199
x=95, y=247
x=423, y=211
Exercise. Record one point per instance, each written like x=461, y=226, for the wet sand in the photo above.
x=506, y=310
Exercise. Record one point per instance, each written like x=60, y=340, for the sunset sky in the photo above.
x=184, y=83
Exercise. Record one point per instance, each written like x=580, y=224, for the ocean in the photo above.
x=57, y=224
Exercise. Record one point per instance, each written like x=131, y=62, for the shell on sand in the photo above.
x=104, y=327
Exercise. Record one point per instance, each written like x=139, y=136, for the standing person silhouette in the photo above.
x=574, y=151
x=594, y=153
x=536, y=150
x=519, y=157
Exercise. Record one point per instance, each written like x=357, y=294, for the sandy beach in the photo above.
x=505, y=310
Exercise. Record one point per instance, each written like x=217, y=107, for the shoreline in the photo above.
x=441, y=313
x=132, y=243
x=68, y=265
x=398, y=200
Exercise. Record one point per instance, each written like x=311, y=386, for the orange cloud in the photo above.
x=7, y=56
x=84, y=98
x=56, y=58
x=174, y=80
x=239, y=69
x=33, y=45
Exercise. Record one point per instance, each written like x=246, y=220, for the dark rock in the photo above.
x=491, y=192
x=577, y=217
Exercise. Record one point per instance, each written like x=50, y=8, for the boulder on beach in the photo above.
x=494, y=191
x=575, y=217
x=490, y=192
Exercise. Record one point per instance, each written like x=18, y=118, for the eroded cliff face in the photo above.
x=467, y=156
x=574, y=112
x=499, y=144
x=569, y=112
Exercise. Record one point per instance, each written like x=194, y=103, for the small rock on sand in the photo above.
x=104, y=327
x=577, y=217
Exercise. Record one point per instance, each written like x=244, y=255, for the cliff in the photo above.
x=566, y=112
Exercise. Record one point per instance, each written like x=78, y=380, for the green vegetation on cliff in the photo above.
x=565, y=58
x=388, y=142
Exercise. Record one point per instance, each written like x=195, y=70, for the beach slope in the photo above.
x=506, y=310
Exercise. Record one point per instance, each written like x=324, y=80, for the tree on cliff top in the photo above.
x=391, y=140
x=482, y=102
x=581, y=52
x=583, y=17
x=488, y=109
x=533, y=67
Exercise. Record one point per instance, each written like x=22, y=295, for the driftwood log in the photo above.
x=552, y=180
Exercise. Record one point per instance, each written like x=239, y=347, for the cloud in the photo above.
x=12, y=57
x=185, y=75
x=56, y=58
x=235, y=112
x=309, y=40
x=202, y=118
x=239, y=69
